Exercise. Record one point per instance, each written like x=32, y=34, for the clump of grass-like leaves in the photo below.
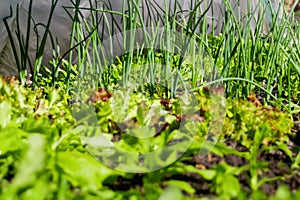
x=244, y=60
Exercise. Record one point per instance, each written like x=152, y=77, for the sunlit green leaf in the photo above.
x=5, y=114
x=183, y=185
x=84, y=170
x=172, y=192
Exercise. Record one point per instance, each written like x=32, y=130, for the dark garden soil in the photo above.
x=277, y=164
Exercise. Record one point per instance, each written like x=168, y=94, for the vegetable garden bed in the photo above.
x=222, y=117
